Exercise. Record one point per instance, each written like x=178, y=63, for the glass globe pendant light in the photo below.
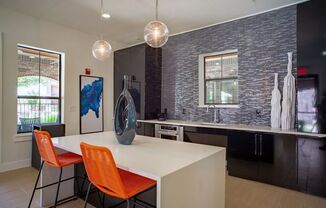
x=101, y=49
x=156, y=33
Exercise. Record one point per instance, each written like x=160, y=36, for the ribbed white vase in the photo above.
x=288, y=103
x=276, y=105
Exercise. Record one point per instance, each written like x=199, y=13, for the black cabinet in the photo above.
x=311, y=64
x=145, y=129
x=311, y=96
x=268, y=158
x=144, y=65
x=208, y=136
x=243, y=159
x=312, y=166
x=280, y=166
x=283, y=160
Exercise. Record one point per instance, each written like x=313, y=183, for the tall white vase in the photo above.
x=289, y=94
x=276, y=105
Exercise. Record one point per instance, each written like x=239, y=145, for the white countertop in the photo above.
x=242, y=127
x=147, y=156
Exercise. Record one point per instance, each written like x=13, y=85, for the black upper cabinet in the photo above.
x=153, y=79
x=311, y=56
x=144, y=65
x=311, y=85
x=131, y=62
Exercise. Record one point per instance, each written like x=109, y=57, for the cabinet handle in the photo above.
x=255, y=144
x=261, y=144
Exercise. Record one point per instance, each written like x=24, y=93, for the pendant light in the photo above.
x=156, y=33
x=102, y=49
x=104, y=12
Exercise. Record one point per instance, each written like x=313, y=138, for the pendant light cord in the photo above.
x=101, y=22
x=156, y=12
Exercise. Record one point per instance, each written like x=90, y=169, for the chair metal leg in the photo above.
x=99, y=197
x=128, y=203
x=88, y=190
x=134, y=201
x=103, y=200
x=57, y=195
x=38, y=177
x=78, y=191
x=82, y=185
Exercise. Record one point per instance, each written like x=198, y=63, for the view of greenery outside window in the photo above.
x=221, y=79
x=38, y=88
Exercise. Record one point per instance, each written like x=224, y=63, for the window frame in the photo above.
x=59, y=98
x=202, y=79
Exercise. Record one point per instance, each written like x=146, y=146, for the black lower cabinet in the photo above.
x=283, y=160
x=312, y=166
x=280, y=168
x=243, y=160
x=145, y=129
x=208, y=136
x=263, y=157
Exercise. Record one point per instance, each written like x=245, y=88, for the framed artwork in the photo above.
x=91, y=104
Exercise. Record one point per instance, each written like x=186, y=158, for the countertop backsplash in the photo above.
x=262, y=42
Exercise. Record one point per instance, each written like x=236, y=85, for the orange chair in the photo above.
x=104, y=175
x=51, y=158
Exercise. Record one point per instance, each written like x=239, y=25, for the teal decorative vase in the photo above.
x=125, y=117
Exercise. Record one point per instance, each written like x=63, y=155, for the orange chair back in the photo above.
x=46, y=149
x=102, y=170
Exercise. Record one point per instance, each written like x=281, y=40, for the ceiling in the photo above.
x=128, y=17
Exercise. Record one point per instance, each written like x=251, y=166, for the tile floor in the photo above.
x=16, y=187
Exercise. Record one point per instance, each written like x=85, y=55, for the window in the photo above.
x=218, y=79
x=38, y=88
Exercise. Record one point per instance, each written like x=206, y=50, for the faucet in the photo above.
x=217, y=118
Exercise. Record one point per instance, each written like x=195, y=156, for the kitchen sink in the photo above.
x=213, y=124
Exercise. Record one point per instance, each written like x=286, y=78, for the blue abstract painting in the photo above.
x=91, y=104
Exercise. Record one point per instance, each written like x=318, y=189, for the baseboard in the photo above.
x=4, y=167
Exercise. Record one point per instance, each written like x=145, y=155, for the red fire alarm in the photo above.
x=87, y=71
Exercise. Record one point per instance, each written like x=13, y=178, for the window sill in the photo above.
x=219, y=106
x=24, y=137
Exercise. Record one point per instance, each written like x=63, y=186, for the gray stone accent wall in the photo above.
x=262, y=42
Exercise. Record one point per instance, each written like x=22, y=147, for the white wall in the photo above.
x=0, y=93
x=18, y=28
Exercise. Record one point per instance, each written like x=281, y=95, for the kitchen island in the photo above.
x=187, y=175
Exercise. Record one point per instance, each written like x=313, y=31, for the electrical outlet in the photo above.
x=258, y=113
